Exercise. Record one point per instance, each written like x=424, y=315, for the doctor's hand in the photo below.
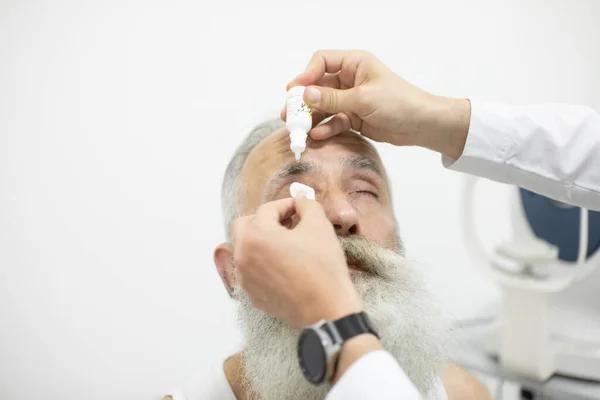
x=298, y=275
x=362, y=94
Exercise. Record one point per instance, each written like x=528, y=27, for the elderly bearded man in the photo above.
x=352, y=186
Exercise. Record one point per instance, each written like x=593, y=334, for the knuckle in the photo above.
x=318, y=55
x=323, y=52
x=246, y=243
x=356, y=55
x=254, y=244
x=246, y=247
x=344, y=121
x=363, y=55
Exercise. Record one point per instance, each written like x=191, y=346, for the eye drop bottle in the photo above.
x=298, y=120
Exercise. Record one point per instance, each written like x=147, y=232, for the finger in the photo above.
x=329, y=80
x=323, y=61
x=274, y=212
x=340, y=122
x=318, y=117
x=306, y=208
x=331, y=100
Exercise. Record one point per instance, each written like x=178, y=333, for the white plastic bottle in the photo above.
x=298, y=120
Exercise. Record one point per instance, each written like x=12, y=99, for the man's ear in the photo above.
x=223, y=257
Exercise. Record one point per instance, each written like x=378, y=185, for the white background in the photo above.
x=117, y=120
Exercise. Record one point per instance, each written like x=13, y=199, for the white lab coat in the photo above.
x=553, y=150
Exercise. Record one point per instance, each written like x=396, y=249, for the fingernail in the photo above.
x=312, y=95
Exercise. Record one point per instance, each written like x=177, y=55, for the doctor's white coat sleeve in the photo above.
x=553, y=150
x=376, y=375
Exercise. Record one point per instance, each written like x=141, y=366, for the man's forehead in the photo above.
x=274, y=151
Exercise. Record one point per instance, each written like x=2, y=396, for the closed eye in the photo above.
x=367, y=193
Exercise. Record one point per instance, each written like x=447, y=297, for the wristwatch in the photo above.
x=319, y=345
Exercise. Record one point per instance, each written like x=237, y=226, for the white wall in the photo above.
x=117, y=120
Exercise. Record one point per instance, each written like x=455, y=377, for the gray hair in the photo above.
x=231, y=190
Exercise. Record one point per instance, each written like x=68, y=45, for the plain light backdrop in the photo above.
x=117, y=119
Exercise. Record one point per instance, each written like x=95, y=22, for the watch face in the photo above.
x=313, y=360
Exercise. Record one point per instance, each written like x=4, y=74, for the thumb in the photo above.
x=330, y=100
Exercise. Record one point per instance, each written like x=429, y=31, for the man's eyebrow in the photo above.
x=293, y=170
x=362, y=162
x=296, y=169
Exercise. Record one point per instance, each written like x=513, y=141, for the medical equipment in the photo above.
x=550, y=316
x=557, y=387
x=296, y=188
x=298, y=120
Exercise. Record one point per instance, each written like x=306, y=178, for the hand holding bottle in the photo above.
x=362, y=94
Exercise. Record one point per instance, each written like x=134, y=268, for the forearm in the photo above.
x=445, y=125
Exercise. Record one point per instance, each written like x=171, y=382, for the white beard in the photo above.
x=406, y=316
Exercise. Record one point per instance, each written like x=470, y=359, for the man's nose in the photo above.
x=342, y=215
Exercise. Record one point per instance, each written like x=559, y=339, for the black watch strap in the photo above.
x=348, y=327
x=354, y=325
